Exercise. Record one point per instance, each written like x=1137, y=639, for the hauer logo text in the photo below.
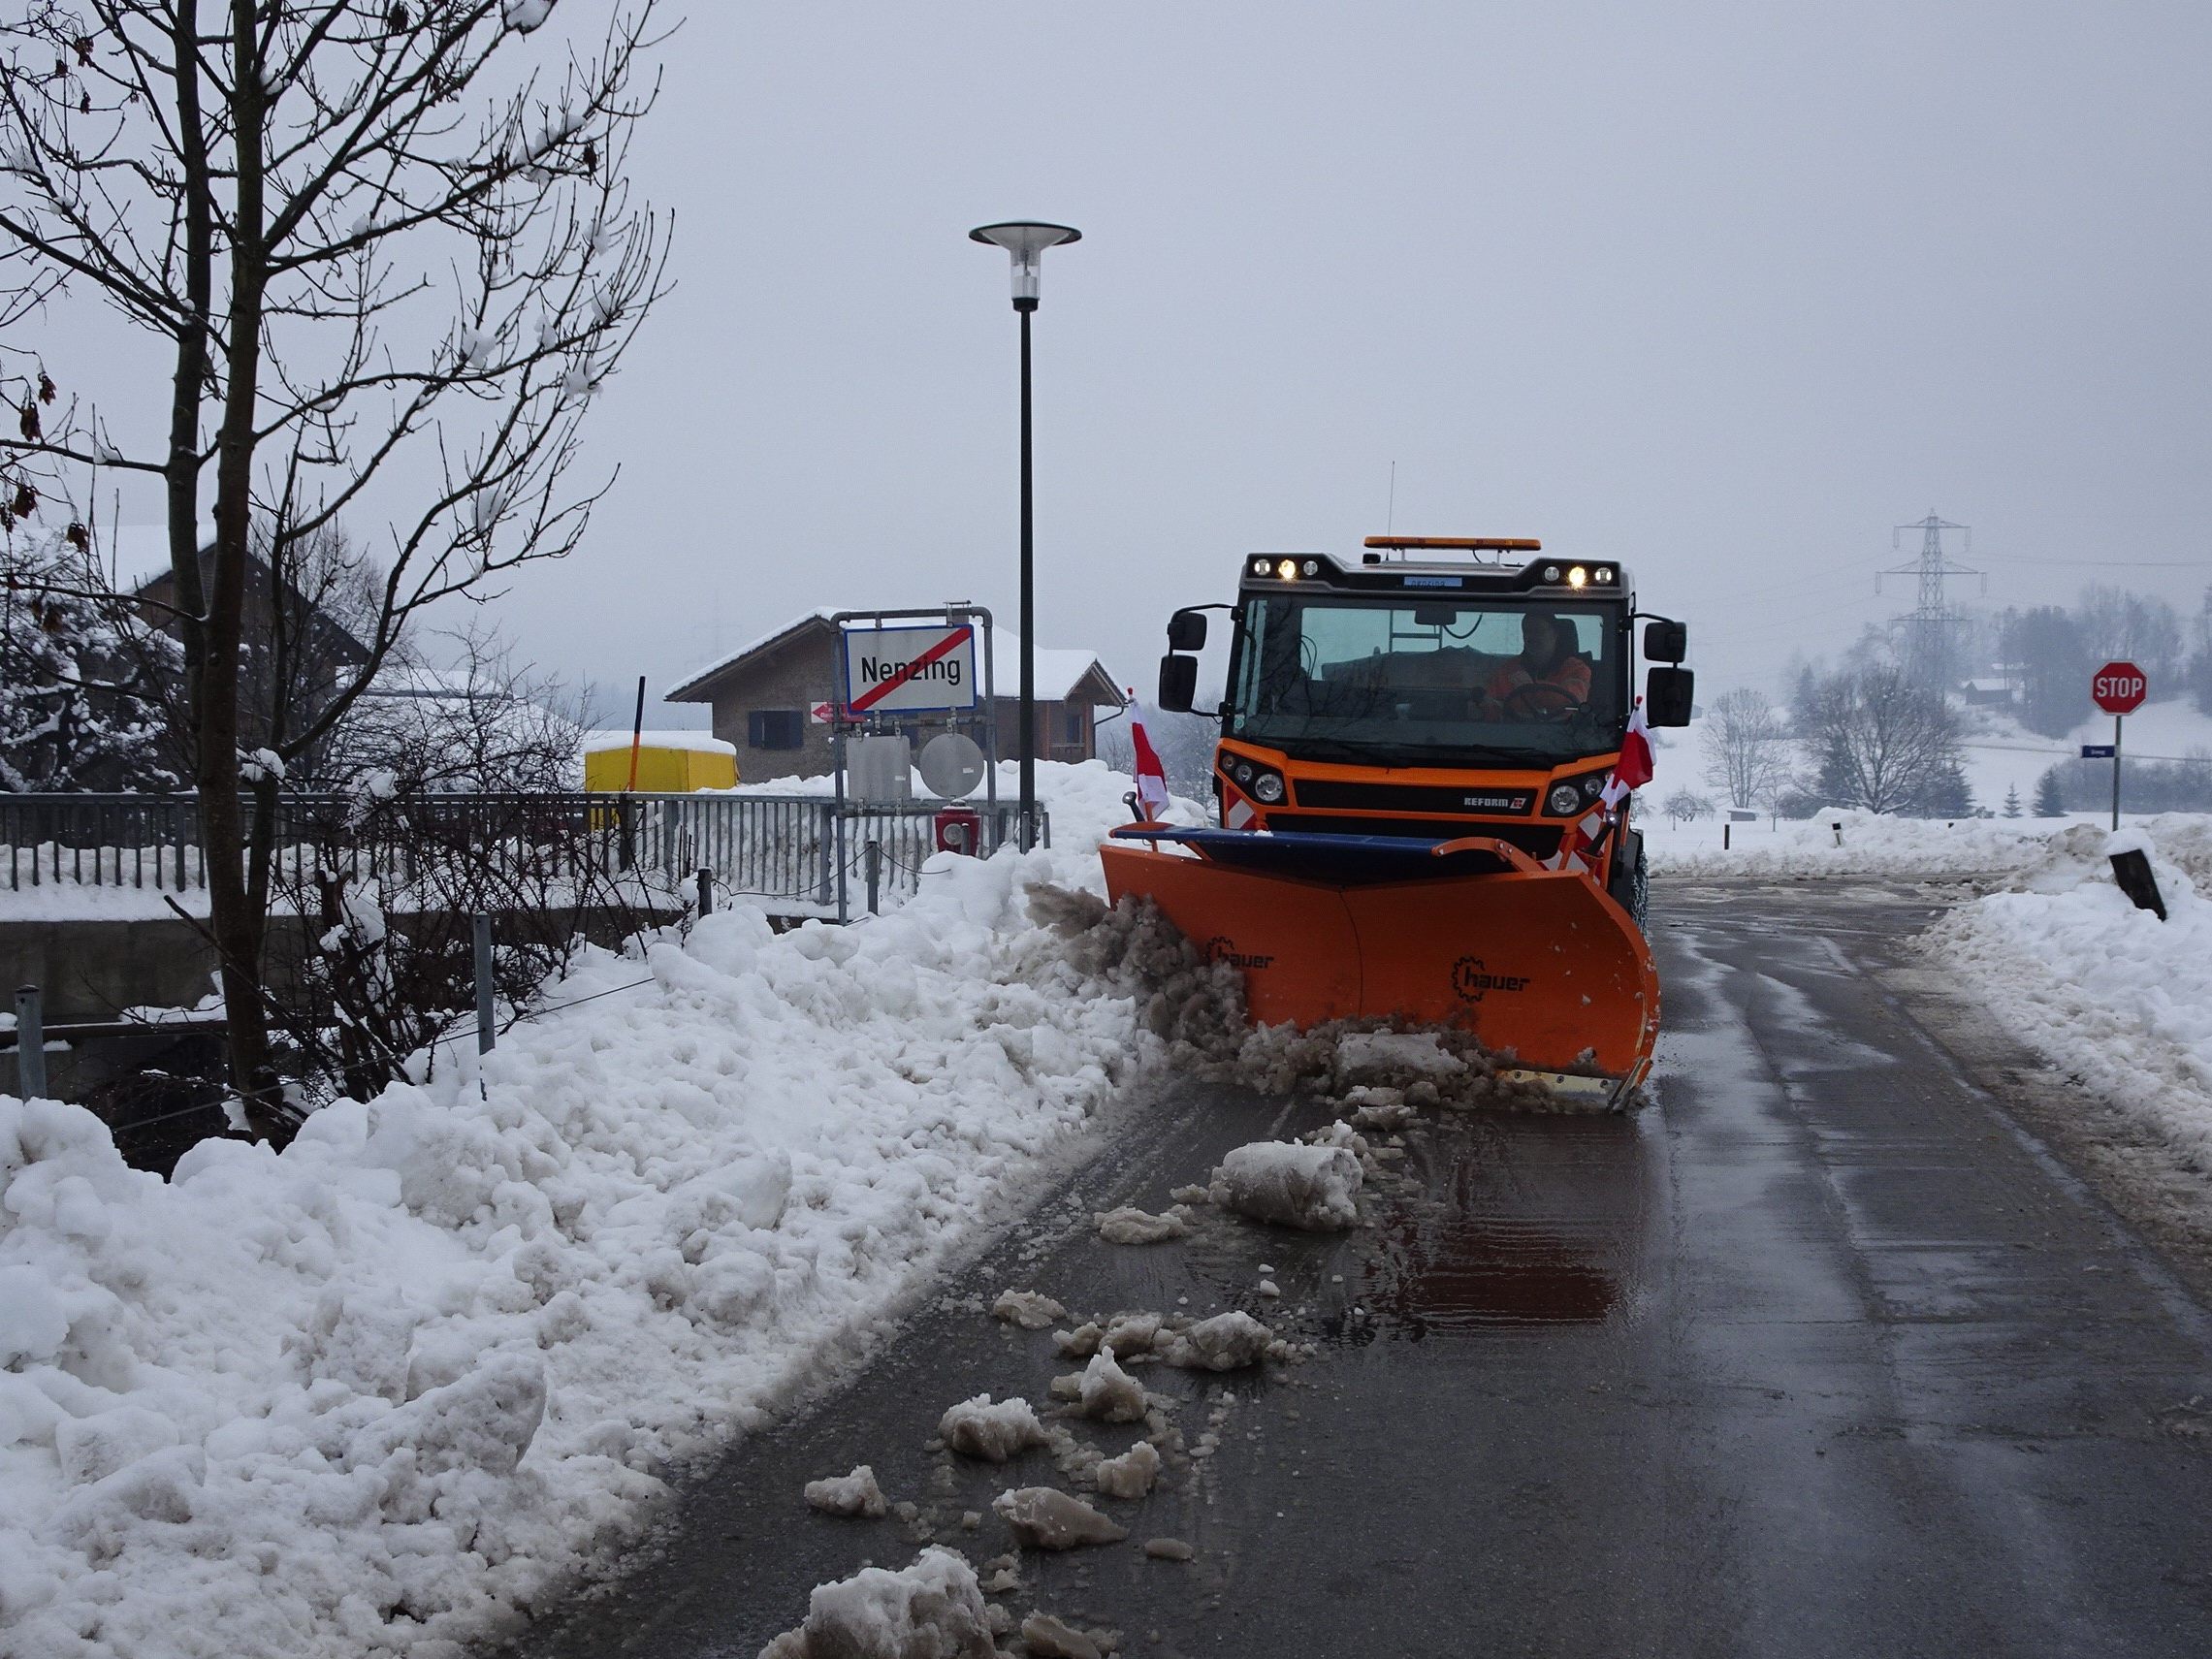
x=1472, y=980
x=1222, y=949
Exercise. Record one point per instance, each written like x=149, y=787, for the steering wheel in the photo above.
x=1538, y=700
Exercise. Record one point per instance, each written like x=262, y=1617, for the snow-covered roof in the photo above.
x=698, y=676
x=694, y=742
x=1060, y=671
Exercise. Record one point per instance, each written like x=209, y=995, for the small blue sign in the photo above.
x=1435, y=581
x=2097, y=752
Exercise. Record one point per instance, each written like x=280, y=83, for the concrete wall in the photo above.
x=88, y=970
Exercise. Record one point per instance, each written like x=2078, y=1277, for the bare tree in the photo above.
x=1882, y=742
x=1746, y=748
x=387, y=253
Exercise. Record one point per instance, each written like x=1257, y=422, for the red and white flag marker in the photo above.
x=1632, y=771
x=1151, y=776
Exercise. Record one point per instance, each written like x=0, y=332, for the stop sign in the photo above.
x=2119, y=687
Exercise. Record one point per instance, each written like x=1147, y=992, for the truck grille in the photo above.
x=1411, y=797
x=1538, y=840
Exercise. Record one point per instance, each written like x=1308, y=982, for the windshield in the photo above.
x=1428, y=681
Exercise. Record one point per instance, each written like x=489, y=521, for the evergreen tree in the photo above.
x=2013, y=801
x=80, y=678
x=2049, y=803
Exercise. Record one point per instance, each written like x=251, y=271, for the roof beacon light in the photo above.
x=1577, y=577
x=1260, y=567
x=1288, y=570
x=1604, y=574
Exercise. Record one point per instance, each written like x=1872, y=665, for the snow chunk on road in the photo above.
x=1383, y=1056
x=1031, y=1310
x=1308, y=1187
x=932, y=1609
x=1043, y=1517
x=1225, y=1342
x=853, y=1494
x=1169, y=1549
x=1109, y=1394
x=1050, y=1638
x=1132, y=1474
x=1127, y=1226
x=977, y=1428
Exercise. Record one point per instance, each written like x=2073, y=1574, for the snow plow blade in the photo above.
x=1537, y=964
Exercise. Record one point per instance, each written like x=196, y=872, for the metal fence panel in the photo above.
x=795, y=854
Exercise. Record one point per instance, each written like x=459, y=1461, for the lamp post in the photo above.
x=1026, y=244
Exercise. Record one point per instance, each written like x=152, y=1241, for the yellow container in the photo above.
x=668, y=763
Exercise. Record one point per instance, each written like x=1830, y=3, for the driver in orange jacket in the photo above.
x=1546, y=659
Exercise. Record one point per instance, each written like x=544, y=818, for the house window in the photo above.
x=1068, y=723
x=774, y=729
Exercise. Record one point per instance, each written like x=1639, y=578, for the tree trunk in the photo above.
x=237, y=906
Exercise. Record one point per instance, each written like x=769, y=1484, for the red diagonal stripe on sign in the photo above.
x=884, y=688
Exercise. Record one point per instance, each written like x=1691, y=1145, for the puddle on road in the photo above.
x=1530, y=1222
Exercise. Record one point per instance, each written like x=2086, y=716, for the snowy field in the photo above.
x=383, y=1391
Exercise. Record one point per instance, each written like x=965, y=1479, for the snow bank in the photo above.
x=383, y=1393
x=1315, y=1187
x=1876, y=844
x=2103, y=991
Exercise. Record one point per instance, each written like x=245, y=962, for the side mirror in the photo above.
x=1667, y=694
x=1178, y=681
x=1186, y=631
x=1666, y=642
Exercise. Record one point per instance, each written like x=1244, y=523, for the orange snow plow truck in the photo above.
x=1414, y=814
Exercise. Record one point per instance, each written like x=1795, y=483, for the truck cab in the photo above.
x=1484, y=692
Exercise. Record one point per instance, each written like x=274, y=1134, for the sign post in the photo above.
x=2119, y=690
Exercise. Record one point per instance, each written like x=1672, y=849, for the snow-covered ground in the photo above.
x=1854, y=842
x=383, y=1390
x=2108, y=995
x=2000, y=753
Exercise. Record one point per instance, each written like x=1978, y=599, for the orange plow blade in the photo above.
x=1533, y=962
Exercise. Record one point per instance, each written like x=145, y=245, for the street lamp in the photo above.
x=1026, y=243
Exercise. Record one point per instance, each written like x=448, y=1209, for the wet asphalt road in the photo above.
x=1819, y=1354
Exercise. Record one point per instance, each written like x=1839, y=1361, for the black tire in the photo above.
x=1631, y=883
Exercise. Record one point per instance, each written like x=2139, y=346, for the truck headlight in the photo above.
x=1563, y=800
x=1267, y=788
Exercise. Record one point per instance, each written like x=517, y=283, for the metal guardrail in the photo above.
x=801, y=854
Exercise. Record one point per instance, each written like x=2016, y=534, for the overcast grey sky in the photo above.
x=1723, y=290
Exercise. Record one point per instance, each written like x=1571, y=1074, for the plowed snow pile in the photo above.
x=2103, y=991
x=381, y=1393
